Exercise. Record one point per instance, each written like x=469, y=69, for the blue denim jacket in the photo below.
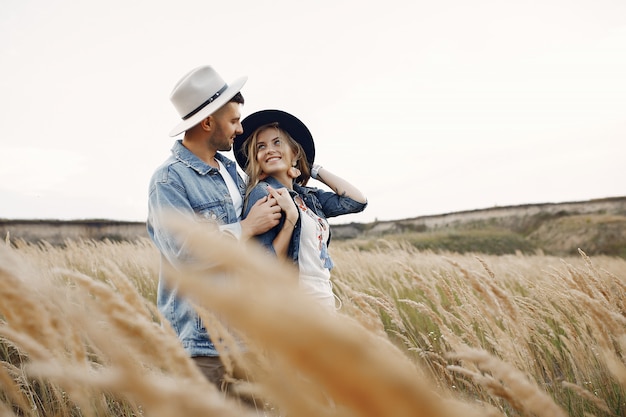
x=324, y=203
x=187, y=186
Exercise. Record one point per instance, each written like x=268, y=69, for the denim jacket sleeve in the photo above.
x=334, y=205
x=167, y=199
x=266, y=239
x=171, y=196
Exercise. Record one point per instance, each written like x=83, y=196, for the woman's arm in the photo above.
x=261, y=193
x=277, y=239
x=290, y=212
x=339, y=185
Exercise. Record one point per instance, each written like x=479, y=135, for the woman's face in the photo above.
x=273, y=153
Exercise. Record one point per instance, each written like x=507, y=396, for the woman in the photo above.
x=277, y=153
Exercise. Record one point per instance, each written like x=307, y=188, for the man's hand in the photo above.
x=286, y=203
x=264, y=215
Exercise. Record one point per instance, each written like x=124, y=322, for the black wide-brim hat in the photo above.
x=288, y=122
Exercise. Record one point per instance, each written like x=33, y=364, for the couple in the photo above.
x=277, y=152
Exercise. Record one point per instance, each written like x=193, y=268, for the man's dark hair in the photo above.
x=238, y=98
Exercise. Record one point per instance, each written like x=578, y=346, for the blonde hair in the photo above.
x=253, y=169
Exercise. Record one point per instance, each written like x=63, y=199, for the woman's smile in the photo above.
x=273, y=158
x=272, y=154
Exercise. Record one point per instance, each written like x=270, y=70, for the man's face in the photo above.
x=227, y=125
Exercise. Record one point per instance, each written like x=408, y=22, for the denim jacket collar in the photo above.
x=188, y=158
x=297, y=189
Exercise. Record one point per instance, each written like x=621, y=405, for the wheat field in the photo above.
x=418, y=333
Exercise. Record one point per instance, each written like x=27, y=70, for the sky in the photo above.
x=429, y=107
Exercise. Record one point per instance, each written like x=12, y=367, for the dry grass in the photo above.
x=419, y=334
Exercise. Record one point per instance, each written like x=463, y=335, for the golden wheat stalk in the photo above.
x=117, y=356
x=528, y=397
x=360, y=370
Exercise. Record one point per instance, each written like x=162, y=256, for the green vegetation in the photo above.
x=494, y=242
x=558, y=234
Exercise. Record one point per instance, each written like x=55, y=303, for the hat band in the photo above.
x=206, y=103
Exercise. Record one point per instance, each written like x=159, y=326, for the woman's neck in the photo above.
x=285, y=180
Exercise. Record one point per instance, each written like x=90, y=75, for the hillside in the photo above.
x=595, y=226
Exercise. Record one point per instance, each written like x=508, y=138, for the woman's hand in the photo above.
x=284, y=200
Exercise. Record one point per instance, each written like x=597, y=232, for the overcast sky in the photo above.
x=429, y=107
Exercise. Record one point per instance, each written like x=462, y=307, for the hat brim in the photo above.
x=211, y=108
x=288, y=122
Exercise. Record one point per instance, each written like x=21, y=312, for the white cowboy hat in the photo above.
x=199, y=94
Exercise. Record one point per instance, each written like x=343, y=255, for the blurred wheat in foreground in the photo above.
x=419, y=333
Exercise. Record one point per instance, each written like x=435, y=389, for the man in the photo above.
x=196, y=180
